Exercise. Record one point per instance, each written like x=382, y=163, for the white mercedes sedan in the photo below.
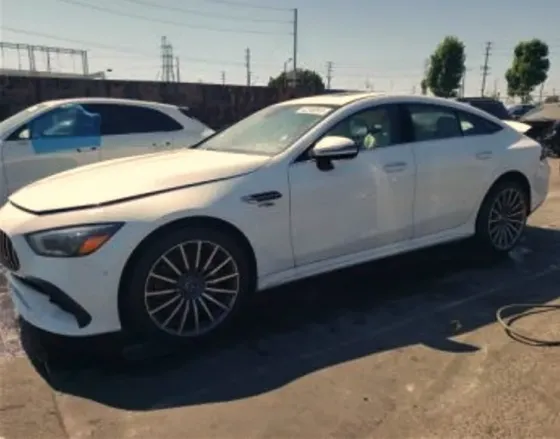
x=174, y=244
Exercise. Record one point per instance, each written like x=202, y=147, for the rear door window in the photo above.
x=118, y=119
x=433, y=122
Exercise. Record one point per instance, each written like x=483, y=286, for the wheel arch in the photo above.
x=517, y=177
x=196, y=221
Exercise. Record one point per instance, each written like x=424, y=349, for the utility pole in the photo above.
x=223, y=78
x=167, y=69
x=248, y=65
x=178, y=64
x=329, y=74
x=485, y=68
x=294, y=55
x=163, y=49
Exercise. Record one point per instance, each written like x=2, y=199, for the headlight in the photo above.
x=71, y=241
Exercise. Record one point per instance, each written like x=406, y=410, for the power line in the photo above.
x=117, y=49
x=247, y=5
x=204, y=14
x=167, y=22
x=485, y=68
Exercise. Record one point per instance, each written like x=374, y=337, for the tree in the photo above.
x=446, y=68
x=307, y=79
x=529, y=68
x=552, y=99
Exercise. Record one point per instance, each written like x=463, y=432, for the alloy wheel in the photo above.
x=508, y=215
x=191, y=288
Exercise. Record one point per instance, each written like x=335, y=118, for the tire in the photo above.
x=513, y=217
x=219, y=295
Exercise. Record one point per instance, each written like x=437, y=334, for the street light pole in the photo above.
x=288, y=61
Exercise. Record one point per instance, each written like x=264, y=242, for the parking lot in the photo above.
x=404, y=348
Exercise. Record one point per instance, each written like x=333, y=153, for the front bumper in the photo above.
x=66, y=296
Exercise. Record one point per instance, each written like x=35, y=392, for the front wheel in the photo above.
x=502, y=218
x=187, y=285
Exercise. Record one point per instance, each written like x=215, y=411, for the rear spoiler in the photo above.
x=520, y=127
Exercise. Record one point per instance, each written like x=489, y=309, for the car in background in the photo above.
x=492, y=106
x=544, y=121
x=59, y=135
x=518, y=110
x=299, y=188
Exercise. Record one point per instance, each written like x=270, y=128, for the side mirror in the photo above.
x=335, y=148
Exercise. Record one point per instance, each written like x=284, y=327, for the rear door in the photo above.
x=455, y=154
x=129, y=130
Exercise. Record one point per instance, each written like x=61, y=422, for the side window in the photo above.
x=431, y=122
x=146, y=120
x=473, y=125
x=62, y=122
x=129, y=119
x=374, y=128
x=22, y=133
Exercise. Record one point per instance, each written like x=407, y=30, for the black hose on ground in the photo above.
x=521, y=336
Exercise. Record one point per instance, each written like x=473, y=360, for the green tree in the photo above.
x=446, y=68
x=305, y=78
x=529, y=68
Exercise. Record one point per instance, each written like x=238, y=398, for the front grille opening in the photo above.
x=8, y=255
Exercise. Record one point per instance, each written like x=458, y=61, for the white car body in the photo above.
x=22, y=162
x=386, y=201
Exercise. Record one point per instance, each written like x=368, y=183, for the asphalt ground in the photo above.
x=403, y=348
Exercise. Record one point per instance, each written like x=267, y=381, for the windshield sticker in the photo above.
x=316, y=111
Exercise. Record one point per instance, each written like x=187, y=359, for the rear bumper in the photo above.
x=539, y=188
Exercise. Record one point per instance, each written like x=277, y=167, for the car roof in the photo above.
x=106, y=100
x=337, y=99
x=341, y=99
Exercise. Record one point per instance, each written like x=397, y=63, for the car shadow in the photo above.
x=428, y=298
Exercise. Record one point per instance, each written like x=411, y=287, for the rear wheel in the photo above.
x=188, y=285
x=502, y=218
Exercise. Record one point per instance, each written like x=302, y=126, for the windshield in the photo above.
x=20, y=118
x=269, y=131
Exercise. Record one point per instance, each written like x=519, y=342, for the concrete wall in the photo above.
x=215, y=105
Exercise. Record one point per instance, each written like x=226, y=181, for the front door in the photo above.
x=361, y=204
x=455, y=157
x=58, y=140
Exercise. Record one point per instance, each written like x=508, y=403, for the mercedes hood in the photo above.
x=121, y=179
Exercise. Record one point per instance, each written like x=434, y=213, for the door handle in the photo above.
x=395, y=166
x=93, y=148
x=484, y=155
